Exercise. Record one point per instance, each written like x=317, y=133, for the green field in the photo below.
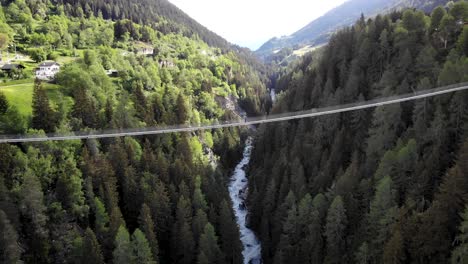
x=20, y=95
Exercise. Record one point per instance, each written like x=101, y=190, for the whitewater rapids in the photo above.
x=252, y=251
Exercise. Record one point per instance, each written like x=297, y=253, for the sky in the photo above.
x=250, y=23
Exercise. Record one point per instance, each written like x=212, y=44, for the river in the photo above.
x=252, y=251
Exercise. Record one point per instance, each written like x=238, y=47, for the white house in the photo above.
x=47, y=70
x=147, y=51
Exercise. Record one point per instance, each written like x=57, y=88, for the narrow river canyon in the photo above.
x=252, y=251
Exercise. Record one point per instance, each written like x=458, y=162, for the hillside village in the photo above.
x=18, y=71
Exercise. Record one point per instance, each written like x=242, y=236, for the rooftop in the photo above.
x=12, y=66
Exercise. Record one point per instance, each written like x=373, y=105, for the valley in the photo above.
x=132, y=134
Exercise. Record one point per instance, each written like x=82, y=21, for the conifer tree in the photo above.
x=3, y=103
x=10, y=250
x=381, y=215
x=383, y=133
x=84, y=108
x=101, y=218
x=147, y=226
x=229, y=235
x=198, y=225
x=436, y=17
x=33, y=208
x=311, y=241
x=91, y=249
x=209, y=251
x=394, y=251
x=69, y=189
x=335, y=231
x=287, y=247
x=182, y=109
x=141, y=249
x=362, y=255
x=43, y=116
x=183, y=244
x=123, y=253
x=460, y=252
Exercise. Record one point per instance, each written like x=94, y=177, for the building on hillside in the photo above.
x=12, y=66
x=145, y=51
x=47, y=70
x=112, y=73
x=166, y=64
x=13, y=70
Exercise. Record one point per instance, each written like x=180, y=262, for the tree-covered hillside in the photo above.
x=165, y=15
x=387, y=185
x=154, y=199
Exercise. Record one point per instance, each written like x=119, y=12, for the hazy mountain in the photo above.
x=318, y=31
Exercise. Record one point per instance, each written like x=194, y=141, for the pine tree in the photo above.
x=335, y=231
x=43, y=116
x=147, y=225
x=362, y=256
x=3, y=104
x=91, y=249
x=229, y=234
x=140, y=100
x=84, y=108
x=159, y=203
x=76, y=250
x=10, y=250
x=108, y=113
x=288, y=245
x=426, y=64
x=182, y=109
x=199, y=201
x=141, y=249
x=183, y=244
x=101, y=218
x=69, y=189
x=198, y=225
x=462, y=44
x=33, y=209
x=394, y=251
x=123, y=251
x=381, y=215
x=209, y=251
x=460, y=253
x=311, y=241
x=282, y=213
x=383, y=134
x=436, y=17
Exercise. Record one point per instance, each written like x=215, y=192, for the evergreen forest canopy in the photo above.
x=159, y=13
x=388, y=185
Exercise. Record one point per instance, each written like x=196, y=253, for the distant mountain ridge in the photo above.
x=319, y=31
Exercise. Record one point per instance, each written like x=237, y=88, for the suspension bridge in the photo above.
x=238, y=123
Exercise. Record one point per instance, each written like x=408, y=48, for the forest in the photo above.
x=153, y=199
x=385, y=185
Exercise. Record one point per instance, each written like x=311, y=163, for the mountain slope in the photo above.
x=383, y=185
x=320, y=30
x=149, y=12
x=80, y=201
